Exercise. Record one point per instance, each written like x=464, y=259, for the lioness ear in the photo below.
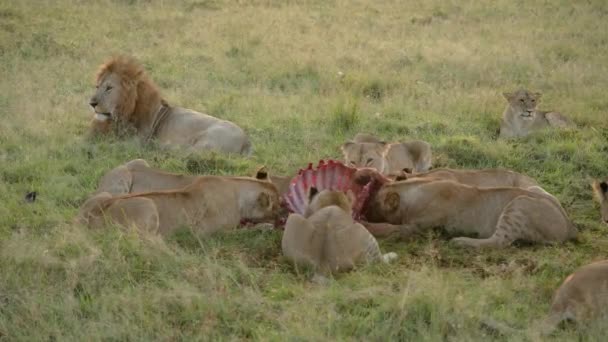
x=346, y=145
x=312, y=192
x=264, y=200
x=391, y=201
x=508, y=96
x=536, y=95
x=262, y=174
x=402, y=175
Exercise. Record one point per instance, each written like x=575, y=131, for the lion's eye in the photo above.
x=369, y=160
x=533, y=100
x=353, y=163
x=521, y=100
x=108, y=88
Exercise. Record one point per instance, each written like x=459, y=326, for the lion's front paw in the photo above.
x=464, y=242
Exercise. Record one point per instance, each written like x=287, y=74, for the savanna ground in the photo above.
x=301, y=77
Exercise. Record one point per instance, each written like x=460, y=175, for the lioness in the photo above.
x=480, y=178
x=600, y=188
x=583, y=296
x=209, y=204
x=126, y=95
x=368, y=151
x=498, y=216
x=137, y=176
x=327, y=238
x=521, y=117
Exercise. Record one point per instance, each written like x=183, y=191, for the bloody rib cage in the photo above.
x=333, y=175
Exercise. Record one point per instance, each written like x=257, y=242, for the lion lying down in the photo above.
x=137, y=176
x=125, y=96
x=498, y=215
x=368, y=151
x=480, y=178
x=327, y=238
x=209, y=204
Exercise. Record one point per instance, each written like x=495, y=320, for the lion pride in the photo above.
x=127, y=97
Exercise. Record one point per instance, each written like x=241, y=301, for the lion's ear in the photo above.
x=263, y=200
x=312, y=192
x=392, y=201
x=403, y=174
x=600, y=188
x=537, y=95
x=262, y=174
x=508, y=96
x=346, y=146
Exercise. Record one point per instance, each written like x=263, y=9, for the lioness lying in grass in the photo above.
x=498, y=216
x=327, y=238
x=209, y=204
x=368, y=151
x=137, y=176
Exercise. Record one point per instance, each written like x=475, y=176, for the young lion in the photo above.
x=368, y=151
x=137, y=176
x=327, y=238
x=521, y=117
x=480, y=178
x=209, y=204
x=126, y=96
x=498, y=216
x=601, y=194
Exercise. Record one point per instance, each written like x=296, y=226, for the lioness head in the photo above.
x=319, y=200
x=367, y=154
x=600, y=188
x=523, y=102
x=259, y=201
x=123, y=90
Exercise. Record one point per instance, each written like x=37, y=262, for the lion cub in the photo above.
x=368, y=151
x=582, y=296
x=601, y=194
x=209, y=204
x=327, y=238
x=521, y=117
x=498, y=216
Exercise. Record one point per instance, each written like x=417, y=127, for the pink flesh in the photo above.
x=330, y=175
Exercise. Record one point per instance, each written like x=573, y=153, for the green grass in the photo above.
x=301, y=77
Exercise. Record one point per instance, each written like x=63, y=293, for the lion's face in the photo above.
x=109, y=98
x=524, y=103
x=364, y=154
x=261, y=206
x=600, y=188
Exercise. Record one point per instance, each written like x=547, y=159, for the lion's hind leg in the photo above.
x=138, y=212
x=510, y=227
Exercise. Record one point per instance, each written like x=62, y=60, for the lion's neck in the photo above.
x=148, y=104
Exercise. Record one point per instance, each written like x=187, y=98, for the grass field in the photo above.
x=301, y=77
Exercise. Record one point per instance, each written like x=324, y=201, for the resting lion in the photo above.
x=521, y=117
x=368, y=151
x=498, y=216
x=327, y=238
x=127, y=97
x=600, y=188
x=209, y=204
x=137, y=176
x=480, y=178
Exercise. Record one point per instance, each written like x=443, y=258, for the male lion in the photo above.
x=498, y=216
x=600, y=188
x=137, y=176
x=127, y=96
x=368, y=151
x=521, y=117
x=209, y=204
x=327, y=238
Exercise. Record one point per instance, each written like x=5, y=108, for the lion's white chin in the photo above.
x=101, y=117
